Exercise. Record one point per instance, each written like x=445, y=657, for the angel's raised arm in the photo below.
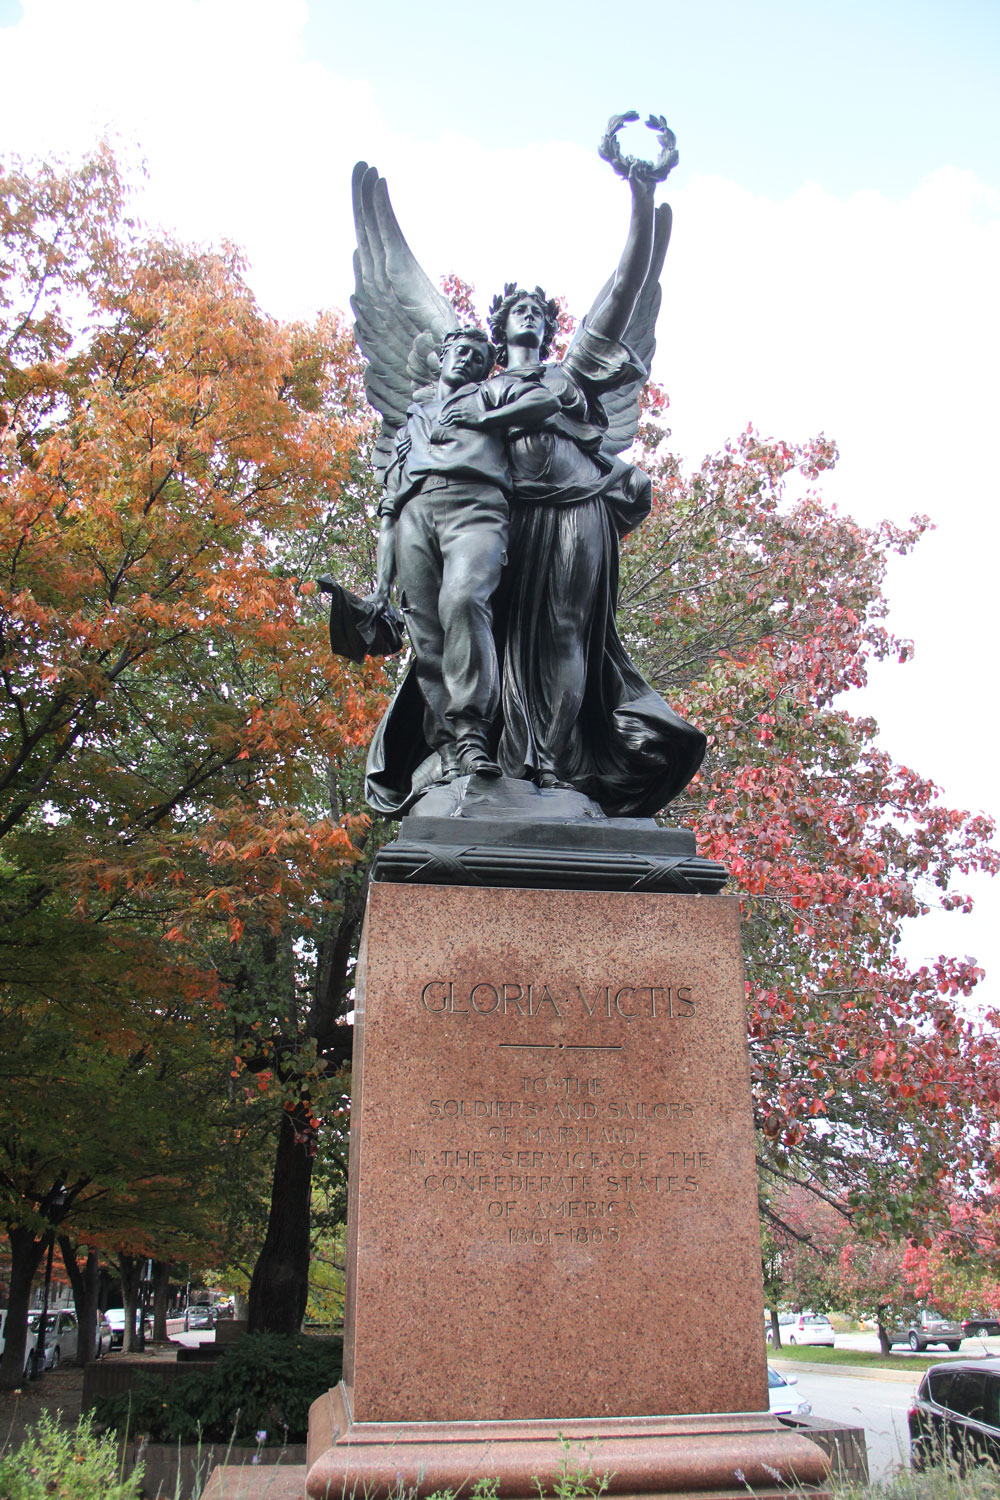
x=611, y=317
x=614, y=308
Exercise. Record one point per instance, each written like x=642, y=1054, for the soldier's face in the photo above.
x=464, y=360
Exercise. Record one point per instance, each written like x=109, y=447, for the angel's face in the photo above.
x=464, y=360
x=525, y=321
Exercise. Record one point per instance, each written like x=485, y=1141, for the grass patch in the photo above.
x=905, y=1363
x=943, y=1482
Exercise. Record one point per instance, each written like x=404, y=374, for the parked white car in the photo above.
x=116, y=1317
x=802, y=1328
x=31, y=1355
x=782, y=1401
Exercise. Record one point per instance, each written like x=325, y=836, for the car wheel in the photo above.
x=56, y=1357
x=914, y=1343
x=791, y=1338
x=953, y=1346
x=769, y=1337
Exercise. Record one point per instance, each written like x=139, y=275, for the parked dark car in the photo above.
x=198, y=1315
x=980, y=1323
x=956, y=1414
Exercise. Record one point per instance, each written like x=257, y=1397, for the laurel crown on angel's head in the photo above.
x=501, y=306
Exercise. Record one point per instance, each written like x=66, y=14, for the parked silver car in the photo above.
x=926, y=1327
x=105, y=1338
x=61, y=1336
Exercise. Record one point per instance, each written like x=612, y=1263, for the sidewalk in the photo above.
x=58, y=1391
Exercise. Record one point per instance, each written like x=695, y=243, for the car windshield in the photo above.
x=774, y=1379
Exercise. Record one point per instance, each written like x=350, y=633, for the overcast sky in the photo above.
x=834, y=265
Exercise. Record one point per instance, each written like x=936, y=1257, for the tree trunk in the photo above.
x=775, y=1329
x=883, y=1336
x=161, y=1292
x=83, y=1280
x=25, y=1254
x=130, y=1267
x=279, y=1287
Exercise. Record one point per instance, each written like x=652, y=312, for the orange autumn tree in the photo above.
x=174, y=468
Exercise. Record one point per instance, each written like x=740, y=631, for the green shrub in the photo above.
x=68, y=1463
x=265, y=1382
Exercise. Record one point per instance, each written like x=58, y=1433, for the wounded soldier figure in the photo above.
x=444, y=527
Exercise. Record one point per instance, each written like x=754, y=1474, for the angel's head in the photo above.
x=466, y=355
x=533, y=318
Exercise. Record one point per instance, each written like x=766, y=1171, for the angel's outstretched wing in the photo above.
x=622, y=405
x=400, y=316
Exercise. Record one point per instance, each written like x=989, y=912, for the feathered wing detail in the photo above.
x=622, y=405
x=400, y=316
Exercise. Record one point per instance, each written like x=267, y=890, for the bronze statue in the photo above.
x=523, y=462
x=444, y=526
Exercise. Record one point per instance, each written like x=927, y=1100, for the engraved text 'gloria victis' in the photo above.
x=628, y=1002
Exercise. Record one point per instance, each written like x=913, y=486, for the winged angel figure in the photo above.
x=505, y=497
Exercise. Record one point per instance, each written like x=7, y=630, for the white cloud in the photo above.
x=875, y=320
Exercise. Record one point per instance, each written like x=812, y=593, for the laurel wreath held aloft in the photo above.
x=652, y=171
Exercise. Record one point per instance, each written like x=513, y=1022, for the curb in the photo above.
x=863, y=1372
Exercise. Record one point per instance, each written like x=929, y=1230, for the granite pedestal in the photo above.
x=553, y=1219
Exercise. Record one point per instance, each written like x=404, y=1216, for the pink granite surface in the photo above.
x=707, y=1457
x=553, y=1196
x=240, y=1483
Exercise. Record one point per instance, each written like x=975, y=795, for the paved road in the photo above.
x=879, y=1406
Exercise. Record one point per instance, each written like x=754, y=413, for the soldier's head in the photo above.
x=466, y=355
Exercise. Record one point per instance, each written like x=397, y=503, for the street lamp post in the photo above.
x=57, y=1200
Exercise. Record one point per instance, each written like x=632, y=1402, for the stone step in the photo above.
x=238, y=1482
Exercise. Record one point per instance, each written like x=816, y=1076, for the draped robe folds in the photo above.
x=574, y=704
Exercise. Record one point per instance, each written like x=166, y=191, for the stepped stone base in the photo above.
x=687, y=1458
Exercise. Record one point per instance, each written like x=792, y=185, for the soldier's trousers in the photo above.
x=449, y=557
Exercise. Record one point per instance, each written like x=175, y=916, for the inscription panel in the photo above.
x=554, y=1146
x=567, y=1150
